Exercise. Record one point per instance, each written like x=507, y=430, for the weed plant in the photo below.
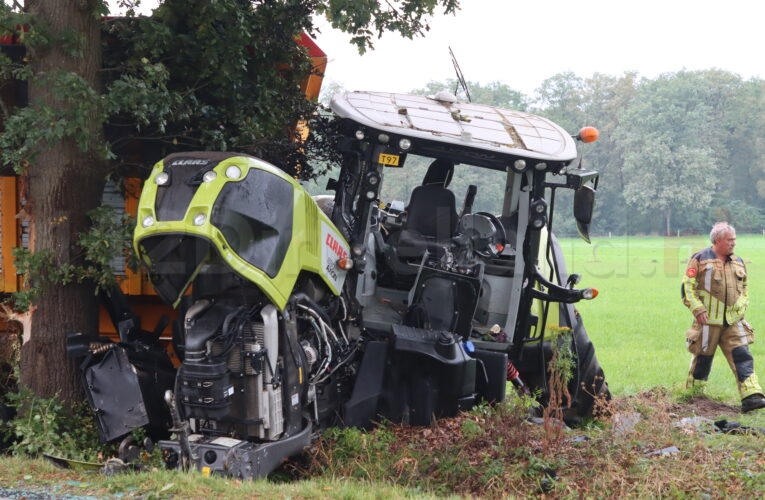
x=559, y=373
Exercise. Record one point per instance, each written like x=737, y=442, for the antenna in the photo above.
x=460, y=79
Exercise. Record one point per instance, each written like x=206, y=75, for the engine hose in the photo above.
x=228, y=331
x=301, y=297
x=343, y=318
x=323, y=341
x=321, y=318
x=347, y=358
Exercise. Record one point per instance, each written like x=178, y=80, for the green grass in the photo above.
x=638, y=320
x=37, y=476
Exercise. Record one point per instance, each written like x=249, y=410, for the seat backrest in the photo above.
x=432, y=209
x=432, y=212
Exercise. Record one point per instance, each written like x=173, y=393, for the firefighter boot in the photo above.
x=752, y=402
x=751, y=394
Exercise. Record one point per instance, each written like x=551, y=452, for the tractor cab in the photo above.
x=447, y=207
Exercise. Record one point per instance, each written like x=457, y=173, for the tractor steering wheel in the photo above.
x=485, y=231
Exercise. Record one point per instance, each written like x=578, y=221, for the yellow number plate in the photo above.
x=390, y=160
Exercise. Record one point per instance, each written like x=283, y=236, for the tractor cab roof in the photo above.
x=441, y=125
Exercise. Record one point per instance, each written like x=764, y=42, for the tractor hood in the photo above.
x=210, y=213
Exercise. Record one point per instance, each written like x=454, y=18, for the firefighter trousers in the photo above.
x=702, y=342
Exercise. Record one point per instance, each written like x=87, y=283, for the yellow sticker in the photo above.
x=387, y=159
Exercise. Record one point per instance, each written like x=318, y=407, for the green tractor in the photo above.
x=297, y=312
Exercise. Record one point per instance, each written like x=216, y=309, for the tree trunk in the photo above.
x=64, y=183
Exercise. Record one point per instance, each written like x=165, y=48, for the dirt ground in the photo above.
x=660, y=402
x=704, y=407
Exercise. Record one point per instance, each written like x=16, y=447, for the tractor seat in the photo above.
x=431, y=220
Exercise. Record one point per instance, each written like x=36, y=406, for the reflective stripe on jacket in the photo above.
x=716, y=287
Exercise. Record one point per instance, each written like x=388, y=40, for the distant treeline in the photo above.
x=676, y=153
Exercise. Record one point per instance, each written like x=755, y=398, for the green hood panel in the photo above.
x=201, y=210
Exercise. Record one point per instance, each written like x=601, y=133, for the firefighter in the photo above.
x=715, y=291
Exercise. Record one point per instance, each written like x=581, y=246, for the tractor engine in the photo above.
x=231, y=379
x=251, y=372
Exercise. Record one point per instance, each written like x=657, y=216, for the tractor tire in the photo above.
x=588, y=386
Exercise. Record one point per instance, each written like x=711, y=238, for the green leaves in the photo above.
x=196, y=75
x=107, y=239
x=673, y=151
x=77, y=106
x=221, y=75
x=45, y=425
x=366, y=18
x=143, y=96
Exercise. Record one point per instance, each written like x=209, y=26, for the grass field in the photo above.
x=638, y=321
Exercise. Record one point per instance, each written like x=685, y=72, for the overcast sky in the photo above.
x=523, y=42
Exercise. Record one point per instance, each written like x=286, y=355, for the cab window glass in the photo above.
x=398, y=183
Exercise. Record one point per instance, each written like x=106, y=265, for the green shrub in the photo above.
x=45, y=426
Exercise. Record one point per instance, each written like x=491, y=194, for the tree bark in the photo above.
x=64, y=184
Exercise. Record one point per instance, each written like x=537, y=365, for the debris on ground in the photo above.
x=736, y=428
x=624, y=423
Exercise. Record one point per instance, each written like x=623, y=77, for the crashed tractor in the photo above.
x=299, y=312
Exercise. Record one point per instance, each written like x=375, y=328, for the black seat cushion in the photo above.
x=432, y=212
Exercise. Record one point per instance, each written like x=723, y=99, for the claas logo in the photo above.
x=336, y=247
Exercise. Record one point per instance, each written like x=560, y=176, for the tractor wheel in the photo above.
x=588, y=386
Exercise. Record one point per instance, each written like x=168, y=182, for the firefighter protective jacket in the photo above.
x=717, y=287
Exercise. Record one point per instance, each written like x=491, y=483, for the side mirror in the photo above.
x=584, y=205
